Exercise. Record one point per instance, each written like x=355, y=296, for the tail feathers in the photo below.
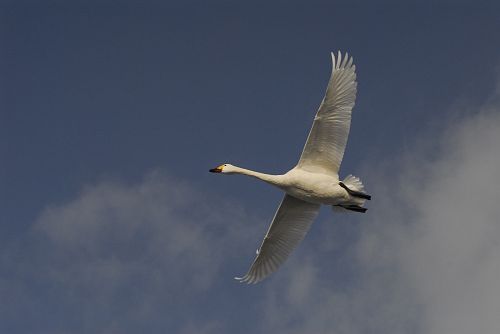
x=356, y=190
x=354, y=183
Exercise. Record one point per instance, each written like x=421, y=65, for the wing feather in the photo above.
x=325, y=145
x=290, y=225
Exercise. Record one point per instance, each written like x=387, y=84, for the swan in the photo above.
x=314, y=181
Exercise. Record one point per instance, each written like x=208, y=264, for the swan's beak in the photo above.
x=217, y=169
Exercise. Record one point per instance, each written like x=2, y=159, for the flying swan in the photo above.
x=315, y=180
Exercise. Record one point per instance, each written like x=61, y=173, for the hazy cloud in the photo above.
x=427, y=256
x=123, y=258
x=155, y=256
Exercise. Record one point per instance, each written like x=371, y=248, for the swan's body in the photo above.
x=311, y=187
x=314, y=181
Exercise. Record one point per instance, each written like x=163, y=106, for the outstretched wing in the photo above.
x=326, y=143
x=290, y=224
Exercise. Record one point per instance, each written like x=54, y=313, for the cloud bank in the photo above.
x=122, y=258
x=427, y=259
x=155, y=256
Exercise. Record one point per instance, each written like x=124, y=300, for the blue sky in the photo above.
x=111, y=115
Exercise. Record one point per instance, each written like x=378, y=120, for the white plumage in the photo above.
x=326, y=143
x=314, y=181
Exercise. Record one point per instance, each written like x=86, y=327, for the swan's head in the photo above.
x=224, y=168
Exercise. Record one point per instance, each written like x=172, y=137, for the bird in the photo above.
x=314, y=181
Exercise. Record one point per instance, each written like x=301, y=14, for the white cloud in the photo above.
x=158, y=255
x=124, y=258
x=427, y=259
x=454, y=256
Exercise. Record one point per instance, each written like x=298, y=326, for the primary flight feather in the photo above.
x=315, y=180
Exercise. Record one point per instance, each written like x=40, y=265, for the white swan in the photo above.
x=314, y=181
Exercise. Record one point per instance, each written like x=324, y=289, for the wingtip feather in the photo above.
x=248, y=279
x=339, y=61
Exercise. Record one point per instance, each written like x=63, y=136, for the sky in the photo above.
x=111, y=114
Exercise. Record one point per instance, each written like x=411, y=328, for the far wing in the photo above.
x=326, y=143
x=290, y=224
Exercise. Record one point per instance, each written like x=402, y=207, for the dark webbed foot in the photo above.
x=354, y=192
x=355, y=208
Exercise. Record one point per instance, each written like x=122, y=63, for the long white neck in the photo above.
x=275, y=180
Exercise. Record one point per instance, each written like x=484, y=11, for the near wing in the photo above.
x=326, y=143
x=290, y=224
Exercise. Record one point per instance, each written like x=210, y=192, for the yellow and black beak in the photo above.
x=217, y=169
